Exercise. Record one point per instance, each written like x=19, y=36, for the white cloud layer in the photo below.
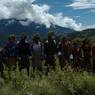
x=88, y=27
x=82, y=4
x=26, y=9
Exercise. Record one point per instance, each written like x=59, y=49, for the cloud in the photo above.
x=30, y=12
x=82, y=4
x=92, y=11
x=88, y=27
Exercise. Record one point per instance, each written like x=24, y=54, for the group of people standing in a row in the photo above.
x=18, y=53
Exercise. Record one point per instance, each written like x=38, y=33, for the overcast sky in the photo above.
x=74, y=14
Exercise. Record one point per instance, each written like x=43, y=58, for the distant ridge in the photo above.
x=87, y=33
x=13, y=26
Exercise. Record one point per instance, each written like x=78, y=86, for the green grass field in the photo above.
x=66, y=82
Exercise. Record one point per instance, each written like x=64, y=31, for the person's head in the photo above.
x=9, y=39
x=77, y=41
x=36, y=38
x=63, y=39
x=93, y=42
x=86, y=41
x=50, y=35
x=23, y=35
x=12, y=38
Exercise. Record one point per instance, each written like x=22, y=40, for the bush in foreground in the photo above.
x=66, y=82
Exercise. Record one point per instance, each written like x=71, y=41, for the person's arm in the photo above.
x=55, y=48
x=59, y=49
x=18, y=51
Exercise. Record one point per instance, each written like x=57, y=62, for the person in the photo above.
x=37, y=53
x=86, y=48
x=50, y=49
x=77, y=54
x=11, y=55
x=1, y=63
x=93, y=57
x=64, y=52
x=23, y=48
x=61, y=57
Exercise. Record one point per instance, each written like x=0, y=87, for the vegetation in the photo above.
x=58, y=82
x=88, y=33
x=66, y=82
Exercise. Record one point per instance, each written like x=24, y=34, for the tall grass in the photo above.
x=66, y=82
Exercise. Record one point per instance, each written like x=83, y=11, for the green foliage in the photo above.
x=66, y=82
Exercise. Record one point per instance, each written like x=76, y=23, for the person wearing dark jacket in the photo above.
x=11, y=54
x=1, y=63
x=86, y=48
x=50, y=49
x=77, y=55
x=63, y=52
x=23, y=47
x=93, y=57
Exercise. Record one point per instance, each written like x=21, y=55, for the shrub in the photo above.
x=66, y=82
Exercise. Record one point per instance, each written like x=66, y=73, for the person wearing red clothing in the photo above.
x=77, y=54
x=64, y=52
x=93, y=57
x=86, y=48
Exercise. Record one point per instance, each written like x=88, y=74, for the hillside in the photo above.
x=13, y=26
x=88, y=33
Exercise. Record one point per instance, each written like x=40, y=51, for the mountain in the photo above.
x=13, y=26
x=87, y=33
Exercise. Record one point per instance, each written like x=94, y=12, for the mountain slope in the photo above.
x=88, y=33
x=13, y=26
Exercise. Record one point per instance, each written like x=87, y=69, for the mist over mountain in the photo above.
x=13, y=26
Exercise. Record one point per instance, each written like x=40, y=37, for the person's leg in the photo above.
x=2, y=69
x=2, y=74
x=20, y=66
x=15, y=66
x=62, y=62
x=88, y=64
x=27, y=65
x=28, y=70
x=9, y=72
x=94, y=65
x=34, y=64
x=9, y=67
x=47, y=65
